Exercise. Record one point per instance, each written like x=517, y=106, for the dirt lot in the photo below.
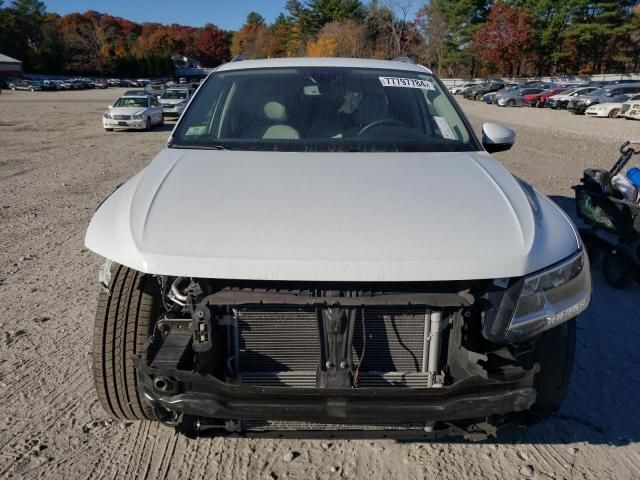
x=57, y=164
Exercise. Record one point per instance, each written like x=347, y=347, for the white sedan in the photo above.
x=634, y=111
x=610, y=110
x=133, y=112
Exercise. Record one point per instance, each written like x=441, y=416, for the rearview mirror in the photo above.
x=497, y=138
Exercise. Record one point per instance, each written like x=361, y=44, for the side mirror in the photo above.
x=497, y=137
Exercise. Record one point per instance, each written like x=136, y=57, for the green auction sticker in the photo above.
x=196, y=130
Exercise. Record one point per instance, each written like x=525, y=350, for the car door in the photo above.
x=156, y=109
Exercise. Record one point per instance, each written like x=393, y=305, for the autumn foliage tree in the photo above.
x=466, y=38
x=339, y=39
x=504, y=41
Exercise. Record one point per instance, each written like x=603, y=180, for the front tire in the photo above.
x=614, y=113
x=124, y=321
x=148, y=124
x=511, y=103
x=555, y=353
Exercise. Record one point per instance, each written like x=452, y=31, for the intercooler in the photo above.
x=282, y=347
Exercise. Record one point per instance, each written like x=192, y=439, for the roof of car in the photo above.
x=324, y=62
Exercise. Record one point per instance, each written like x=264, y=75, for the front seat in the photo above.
x=277, y=114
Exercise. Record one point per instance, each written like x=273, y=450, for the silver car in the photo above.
x=515, y=98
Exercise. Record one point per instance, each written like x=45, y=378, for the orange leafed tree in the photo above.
x=504, y=41
x=323, y=46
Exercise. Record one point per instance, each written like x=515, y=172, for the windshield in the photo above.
x=131, y=102
x=596, y=93
x=174, y=95
x=323, y=109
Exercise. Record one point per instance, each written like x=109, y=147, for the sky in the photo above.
x=226, y=14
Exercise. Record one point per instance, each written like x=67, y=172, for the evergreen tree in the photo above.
x=322, y=12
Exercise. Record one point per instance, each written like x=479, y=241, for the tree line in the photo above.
x=456, y=38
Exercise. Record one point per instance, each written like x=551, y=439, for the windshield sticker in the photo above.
x=196, y=130
x=406, y=83
x=444, y=127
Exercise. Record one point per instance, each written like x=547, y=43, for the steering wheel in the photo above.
x=378, y=123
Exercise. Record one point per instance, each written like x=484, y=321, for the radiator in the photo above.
x=282, y=347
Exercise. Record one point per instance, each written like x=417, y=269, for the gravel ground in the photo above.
x=57, y=164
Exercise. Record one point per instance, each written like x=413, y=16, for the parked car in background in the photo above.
x=155, y=89
x=141, y=82
x=609, y=109
x=516, y=98
x=560, y=100
x=494, y=96
x=100, y=83
x=478, y=91
x=135, y=93
x=174, y=100
x=627, y=105
x=539, y=99
x=458, y=89
x=30, y=85
x=62, y=85
x=467, y=88
x=76, y=84
x=609, y=94
x=633, y=113
x=49, y=85
x=133, y=112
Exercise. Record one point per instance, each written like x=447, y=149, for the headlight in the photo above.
x=138, y=116
x=538, y=302
x=107, y=115
x=587, y=102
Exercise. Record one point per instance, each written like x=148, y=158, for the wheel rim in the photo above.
x=613, y=113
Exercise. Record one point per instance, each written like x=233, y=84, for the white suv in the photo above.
x=325, y=242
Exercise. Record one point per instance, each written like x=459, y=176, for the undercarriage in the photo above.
x=240, y=356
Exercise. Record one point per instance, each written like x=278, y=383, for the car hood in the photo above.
x=329, y=217
x=172, y=101
x=609, y=105
x=126, y=110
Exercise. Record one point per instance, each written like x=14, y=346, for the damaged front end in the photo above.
x=259, y=356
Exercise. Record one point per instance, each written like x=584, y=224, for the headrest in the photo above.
x=275, y=112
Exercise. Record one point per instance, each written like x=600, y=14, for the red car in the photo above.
x=538, y=99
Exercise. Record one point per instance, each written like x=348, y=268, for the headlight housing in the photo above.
x=138, y=116
x=107, y=115
x=540, y=301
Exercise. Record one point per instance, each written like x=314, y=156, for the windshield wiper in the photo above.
x=199, y=147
